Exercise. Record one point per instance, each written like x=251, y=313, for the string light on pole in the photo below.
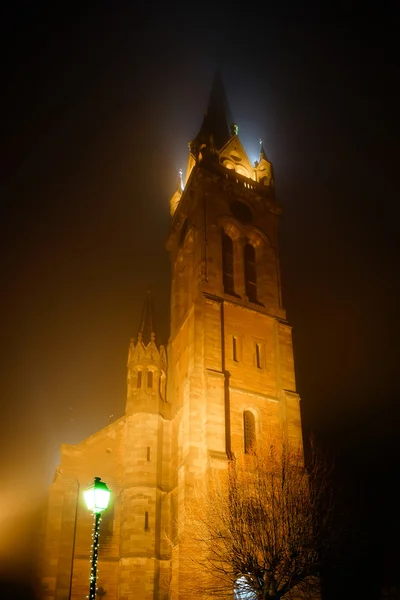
x=97, y=497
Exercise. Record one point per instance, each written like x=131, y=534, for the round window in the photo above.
x=241, y=211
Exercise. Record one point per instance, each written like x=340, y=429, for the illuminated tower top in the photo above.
x=217, y=145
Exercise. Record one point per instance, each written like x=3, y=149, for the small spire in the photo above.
x=147, y=330
x=262, y=151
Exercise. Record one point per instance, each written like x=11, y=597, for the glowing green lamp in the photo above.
x=97, y=496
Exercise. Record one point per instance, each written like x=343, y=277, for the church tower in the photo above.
x=225, y=381
x=231, y=374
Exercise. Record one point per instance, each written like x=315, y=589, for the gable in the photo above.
x=233, y=156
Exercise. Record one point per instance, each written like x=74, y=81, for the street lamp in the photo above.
x=96, y=496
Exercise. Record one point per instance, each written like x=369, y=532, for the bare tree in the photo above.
x=260, y=528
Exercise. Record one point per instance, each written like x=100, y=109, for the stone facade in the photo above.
x=230, y=367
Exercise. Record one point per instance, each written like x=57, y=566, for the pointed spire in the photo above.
x=176, y=197
x=263, y=154
x=180, y=181
x=146, y=332
x=215, y=129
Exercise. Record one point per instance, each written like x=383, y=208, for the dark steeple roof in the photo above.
x=147, y=327
x=216, y=126
x=262, y=151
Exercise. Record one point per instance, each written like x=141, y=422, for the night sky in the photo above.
x=98, y=108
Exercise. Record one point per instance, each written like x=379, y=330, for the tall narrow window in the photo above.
x=148, y=453
x=227, y=264
x=146, y=521
x=249, y=427
x=163, y=382
x=250, y=273
x=258, y=356
x=149, y=379
x=139, y=379
x=234, y=349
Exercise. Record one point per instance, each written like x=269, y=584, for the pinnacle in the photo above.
x=263, y=154
x=146, y=332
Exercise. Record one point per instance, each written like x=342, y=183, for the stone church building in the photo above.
x=225, y=379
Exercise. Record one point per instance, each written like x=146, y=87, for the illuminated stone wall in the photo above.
x=69, y=524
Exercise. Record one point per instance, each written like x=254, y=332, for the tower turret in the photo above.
x=173, y=203
x=263, y=169
x=145, y=481
x=147, y=367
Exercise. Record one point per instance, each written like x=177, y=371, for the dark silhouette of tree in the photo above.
x=259, y=528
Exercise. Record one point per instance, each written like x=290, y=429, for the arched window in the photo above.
x=249, y=428
x=250, y=272
x=227, y=264
x=139, y=379
x=163, y=382
x=234, y=349
x=258, y=356
x=149, y=379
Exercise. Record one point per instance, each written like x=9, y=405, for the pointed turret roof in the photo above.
x=179, y=186
x=147, y=326
x=263, y=154
x=215, y=128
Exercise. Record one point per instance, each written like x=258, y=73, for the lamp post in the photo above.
x=96, y=496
